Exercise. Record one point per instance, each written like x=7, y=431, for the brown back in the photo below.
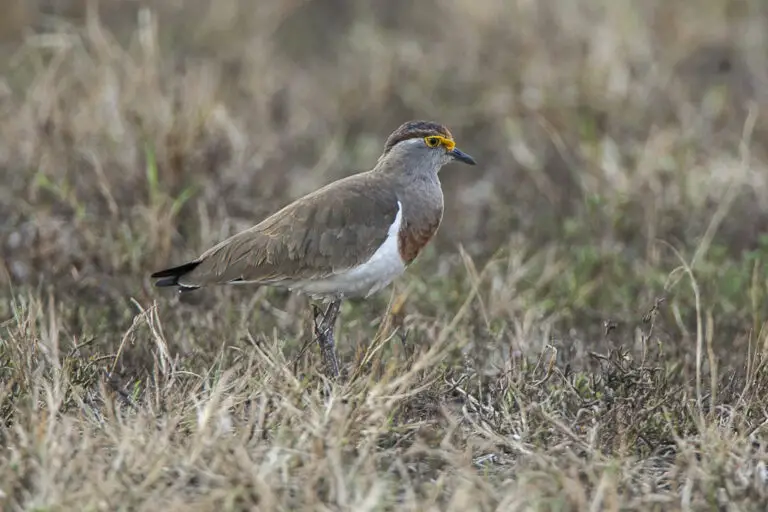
x=333, y=229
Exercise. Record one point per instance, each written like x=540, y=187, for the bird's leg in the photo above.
x=324, y=333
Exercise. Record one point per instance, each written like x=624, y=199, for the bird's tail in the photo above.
x=171, y=276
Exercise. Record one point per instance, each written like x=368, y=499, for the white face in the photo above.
x=419, y=156
x=423, y=156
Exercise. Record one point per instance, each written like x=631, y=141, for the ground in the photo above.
x=585, y=332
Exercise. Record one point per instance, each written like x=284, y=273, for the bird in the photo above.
x=347, y=240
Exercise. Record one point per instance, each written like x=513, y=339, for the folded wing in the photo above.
x=329, y=231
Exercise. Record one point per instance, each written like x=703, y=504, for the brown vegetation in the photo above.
x=585, y=332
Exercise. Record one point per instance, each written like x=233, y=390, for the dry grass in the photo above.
x=586, y=333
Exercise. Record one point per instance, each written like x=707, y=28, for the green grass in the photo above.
x=586, y=332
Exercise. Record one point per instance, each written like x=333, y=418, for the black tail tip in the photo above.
x=170, y=276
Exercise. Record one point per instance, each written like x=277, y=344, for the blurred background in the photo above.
x=615, y=140
x=618, y=214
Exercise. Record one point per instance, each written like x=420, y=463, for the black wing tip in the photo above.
x=170, y=276
x=177, y=271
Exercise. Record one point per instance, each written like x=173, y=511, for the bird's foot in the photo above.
x=324, y=332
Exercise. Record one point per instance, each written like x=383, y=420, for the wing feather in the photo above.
x=328, y=231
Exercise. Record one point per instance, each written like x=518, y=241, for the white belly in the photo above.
x=373, y=275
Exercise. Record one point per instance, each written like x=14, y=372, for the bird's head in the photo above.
x=421, y=146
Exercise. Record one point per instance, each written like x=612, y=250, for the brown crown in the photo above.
x=414, y=129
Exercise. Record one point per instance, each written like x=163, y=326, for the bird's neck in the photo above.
x=404, y=171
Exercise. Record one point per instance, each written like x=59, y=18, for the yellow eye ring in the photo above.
x=432, y=141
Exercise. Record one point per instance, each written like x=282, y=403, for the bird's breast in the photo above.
x=421, y=222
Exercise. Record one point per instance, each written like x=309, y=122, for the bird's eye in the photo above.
x=432, y=142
